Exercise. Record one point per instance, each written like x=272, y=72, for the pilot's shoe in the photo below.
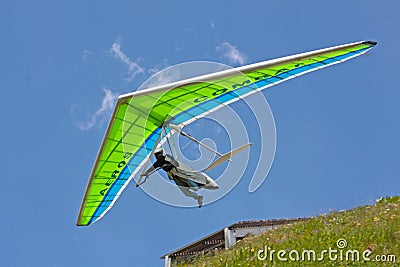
x=200, y=201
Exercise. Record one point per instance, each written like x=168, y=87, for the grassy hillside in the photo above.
x=364, y=236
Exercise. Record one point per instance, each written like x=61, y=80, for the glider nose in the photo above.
x=212, y=185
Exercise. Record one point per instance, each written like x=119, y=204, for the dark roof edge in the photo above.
x=241, y=224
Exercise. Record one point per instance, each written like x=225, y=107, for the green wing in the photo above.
x=136, y=124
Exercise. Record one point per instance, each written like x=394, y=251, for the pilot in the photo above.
x=167, y=163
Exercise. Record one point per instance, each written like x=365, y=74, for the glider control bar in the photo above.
x=149, y=157
x=222, y=157
x=179, y=130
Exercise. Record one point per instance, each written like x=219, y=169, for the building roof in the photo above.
x=217, y=239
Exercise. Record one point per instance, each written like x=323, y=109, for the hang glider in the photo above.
x=138, y=118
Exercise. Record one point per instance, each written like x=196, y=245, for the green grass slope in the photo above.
x=363, y=236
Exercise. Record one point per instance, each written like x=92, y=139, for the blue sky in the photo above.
x=337, y=129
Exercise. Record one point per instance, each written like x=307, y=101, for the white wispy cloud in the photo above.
x=133, y=67
x=165, y=76
x=212, y=24
x=102, y=113
x=231, y=53
x=86, y=55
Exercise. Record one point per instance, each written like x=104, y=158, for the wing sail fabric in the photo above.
x=137, y=121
